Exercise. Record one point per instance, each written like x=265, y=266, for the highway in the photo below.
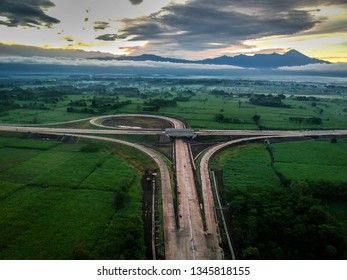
x=198, y=244
x=188, y=240
x=249, y=133
x=79, y=131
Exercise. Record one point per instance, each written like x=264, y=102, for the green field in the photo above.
x=198, y=110
x=80, y=201
x=314, y=161
x=201, y=114
x=59, y=201
x=250, y=165
x=274, y=220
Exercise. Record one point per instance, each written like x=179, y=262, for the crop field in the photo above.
x=200, y=113
x=245, y=166
x=250, y=165
x=314, y=160
x=83, y=200
x=197, y=101
x=272, y=220
x=51, y=223
x=68, y=201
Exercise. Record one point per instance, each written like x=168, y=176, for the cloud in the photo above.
x=319, y=68
x=199, y=25
x=69, y=39
x=101, y=25
x=30, y=13
x=136, y=2
x=28, y=51
x=36, y=60
x=109, y=37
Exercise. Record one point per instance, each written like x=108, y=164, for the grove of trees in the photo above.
x=287, y=223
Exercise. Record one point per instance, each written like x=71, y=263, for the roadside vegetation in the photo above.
x=286, y=200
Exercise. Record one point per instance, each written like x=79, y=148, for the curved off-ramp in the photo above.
x=96, y=120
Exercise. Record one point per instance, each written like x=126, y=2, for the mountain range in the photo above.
x=258, y=61
x=274, y=60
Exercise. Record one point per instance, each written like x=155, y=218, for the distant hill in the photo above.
x=29, y=51
x=274, y=60
x=258, y=61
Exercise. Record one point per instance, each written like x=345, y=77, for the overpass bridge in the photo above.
x=180, y=133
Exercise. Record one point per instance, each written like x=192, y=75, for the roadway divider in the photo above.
x=175, y=198
x=153, y=218
x=191, y=156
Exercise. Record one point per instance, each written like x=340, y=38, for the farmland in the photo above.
x=250, y=165
x=299, y=179
x=65, y=201
x=280, y=105
x=85, y=201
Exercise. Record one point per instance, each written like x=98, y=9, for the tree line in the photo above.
x=287, y=223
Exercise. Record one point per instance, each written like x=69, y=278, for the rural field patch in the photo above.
x=113, y=174
x=10, y=157
x=51, y=223
x=32, y=144
x=250, y=166
x=72, y=171
x=58, y=202
x=312, y=160
x=28, y=170
x=7, y=189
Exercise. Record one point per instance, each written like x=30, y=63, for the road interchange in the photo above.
x=186, y=238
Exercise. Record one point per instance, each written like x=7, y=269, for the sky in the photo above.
x=190, y=29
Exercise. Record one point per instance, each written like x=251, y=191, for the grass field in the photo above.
x=59, y=202
x=245, y=166
x=249, y=165
x=51, y=223
x=314, y=160
x=200, y=112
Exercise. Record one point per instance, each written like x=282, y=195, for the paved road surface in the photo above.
x=198, y=244
x=78, y=131
x=249, y=133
